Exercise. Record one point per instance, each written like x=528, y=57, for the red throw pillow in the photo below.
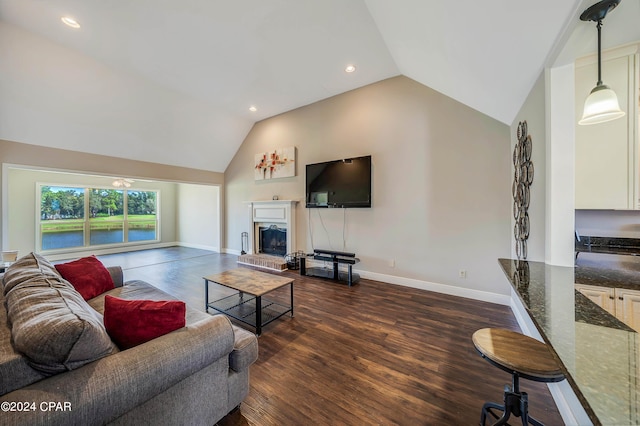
x=132, y=322
x=87, y=275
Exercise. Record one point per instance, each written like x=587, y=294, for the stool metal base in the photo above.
x=516, y=404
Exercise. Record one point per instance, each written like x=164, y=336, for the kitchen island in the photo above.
x=598, y=353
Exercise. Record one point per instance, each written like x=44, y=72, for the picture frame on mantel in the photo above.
x=279, y=163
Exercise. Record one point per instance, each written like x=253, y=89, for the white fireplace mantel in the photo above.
x=272, y=212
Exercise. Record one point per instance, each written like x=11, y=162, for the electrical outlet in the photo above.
x=462, y=273
x=392, y=263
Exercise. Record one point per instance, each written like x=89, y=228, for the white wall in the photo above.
x=441, y=183
x=608, y=223
x=533, y=112
x=560, y=166
x=22, y=204
x=198, y=216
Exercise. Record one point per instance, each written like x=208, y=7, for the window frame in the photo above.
x=87, y=219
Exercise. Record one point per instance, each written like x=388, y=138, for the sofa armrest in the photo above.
x=116, y=275
x=103, y=390
x=245, y=350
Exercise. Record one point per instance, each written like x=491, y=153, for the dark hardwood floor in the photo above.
x=372, y=354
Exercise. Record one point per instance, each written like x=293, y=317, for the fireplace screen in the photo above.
x=273, y=240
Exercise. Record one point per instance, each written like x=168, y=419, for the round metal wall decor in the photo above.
x=522, y=180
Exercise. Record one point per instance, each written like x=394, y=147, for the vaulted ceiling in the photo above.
x=179, y=76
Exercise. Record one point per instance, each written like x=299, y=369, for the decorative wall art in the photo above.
x=522, y=180
x=279, y=163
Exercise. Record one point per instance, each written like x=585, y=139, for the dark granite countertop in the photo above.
x=598, y=353
x=608, y=270
x=609, y=245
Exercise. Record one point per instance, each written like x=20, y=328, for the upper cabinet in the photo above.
x=607, y=155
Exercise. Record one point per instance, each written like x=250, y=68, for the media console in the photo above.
x=336, y=258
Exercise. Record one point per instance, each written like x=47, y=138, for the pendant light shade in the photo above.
x=602, y=103
x=601, y=106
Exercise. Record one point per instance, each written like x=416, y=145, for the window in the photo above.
x=77, y=217
x=106, y=222
x=141, y=215
x=61, y=217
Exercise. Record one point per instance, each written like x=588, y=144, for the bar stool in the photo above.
x=522, y=357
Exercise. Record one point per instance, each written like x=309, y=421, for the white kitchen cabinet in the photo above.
x=628, y=307
x=601, y=296
x=606, y=154
x=622, y=303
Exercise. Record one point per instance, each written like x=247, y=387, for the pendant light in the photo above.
x=602, y=103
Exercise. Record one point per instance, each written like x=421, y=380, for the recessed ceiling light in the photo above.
x=252, y=108
x=70, y=22
x=350, y=68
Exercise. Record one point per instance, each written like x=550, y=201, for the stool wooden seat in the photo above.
x=521, y=356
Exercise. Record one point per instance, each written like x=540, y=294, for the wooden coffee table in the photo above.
x=248, y=305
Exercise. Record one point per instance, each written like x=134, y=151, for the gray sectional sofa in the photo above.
x=194, y=375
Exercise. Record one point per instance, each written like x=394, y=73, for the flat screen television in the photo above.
x=339, y=183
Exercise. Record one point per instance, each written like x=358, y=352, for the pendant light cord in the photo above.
x=599, y=52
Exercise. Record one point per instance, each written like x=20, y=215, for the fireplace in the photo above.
x=278, y=219
x=272, y=240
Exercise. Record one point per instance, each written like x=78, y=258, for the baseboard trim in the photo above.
x=468, y=293
x=568, y=404
x=199, y=246
x=112, y=250
x=485, y=296
x=522, y=316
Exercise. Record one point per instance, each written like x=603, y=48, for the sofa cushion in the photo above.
x=87, y=275
x=31, y=267
x=15, y=371
x=139, y=290
x=132, y=322
x=51, y=324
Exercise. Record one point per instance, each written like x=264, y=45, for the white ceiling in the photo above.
x=282, y=54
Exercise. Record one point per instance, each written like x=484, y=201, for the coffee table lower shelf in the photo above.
x=242, y=307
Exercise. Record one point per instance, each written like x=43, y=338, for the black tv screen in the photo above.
x=339, y=183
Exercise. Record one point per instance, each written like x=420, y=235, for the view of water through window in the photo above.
x=64, y=212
